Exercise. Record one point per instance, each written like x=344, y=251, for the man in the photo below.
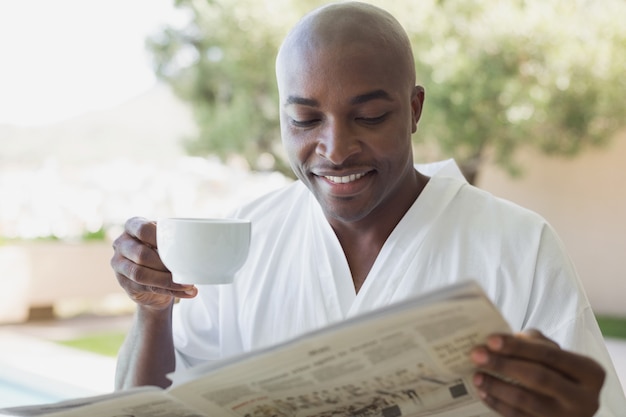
x=363, y=228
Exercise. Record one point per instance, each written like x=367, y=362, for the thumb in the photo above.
x=534, y=334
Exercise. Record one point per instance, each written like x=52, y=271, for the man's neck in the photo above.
x=362, y=240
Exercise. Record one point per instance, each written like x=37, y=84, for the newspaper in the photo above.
x=407, y=359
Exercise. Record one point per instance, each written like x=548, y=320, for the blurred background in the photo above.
x=154, y=108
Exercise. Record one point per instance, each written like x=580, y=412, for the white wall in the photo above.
x=39, y=274
x=584, y=198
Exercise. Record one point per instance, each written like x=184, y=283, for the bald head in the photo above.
x=343, y=26
x=348, y=108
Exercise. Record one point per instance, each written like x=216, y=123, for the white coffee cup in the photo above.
x=203, y=251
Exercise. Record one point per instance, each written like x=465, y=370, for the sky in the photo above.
x=63, y=58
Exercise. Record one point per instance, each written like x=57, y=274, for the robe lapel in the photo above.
x=334, y=274
x=402, y=249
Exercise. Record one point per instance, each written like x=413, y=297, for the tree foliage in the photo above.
x=498, y=74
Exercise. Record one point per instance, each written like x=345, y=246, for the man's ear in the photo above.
x=417, y=103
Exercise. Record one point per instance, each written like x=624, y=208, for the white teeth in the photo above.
x=344, y=180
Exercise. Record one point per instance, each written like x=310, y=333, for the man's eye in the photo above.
x=373, y=120
x=304, y=123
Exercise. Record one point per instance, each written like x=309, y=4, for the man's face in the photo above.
x=347, y=116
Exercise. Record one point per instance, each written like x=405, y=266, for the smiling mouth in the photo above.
x=345, y=179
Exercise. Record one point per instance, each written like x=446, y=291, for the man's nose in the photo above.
x=338, y=142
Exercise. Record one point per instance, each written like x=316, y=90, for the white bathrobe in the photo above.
x=297, y=278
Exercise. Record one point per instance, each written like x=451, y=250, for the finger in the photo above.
x=142, y=229
x=507, y=397
x=138, y=289
x=140, y=292
x=510, y=399
x=146, y=276
x=139, y=253
x=576, y=367
x=534, y=376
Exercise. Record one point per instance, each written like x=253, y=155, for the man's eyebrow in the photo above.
x=301, y=101
x=362, y=98
x=373, y=95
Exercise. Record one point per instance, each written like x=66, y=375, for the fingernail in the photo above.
x=190, y=292
x=495, y=342
x=478, y=380
x=479, y=357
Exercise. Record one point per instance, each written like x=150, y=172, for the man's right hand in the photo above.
x=139, y=269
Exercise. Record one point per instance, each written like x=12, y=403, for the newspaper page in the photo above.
x=410, y=359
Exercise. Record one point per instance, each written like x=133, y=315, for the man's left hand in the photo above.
x=535, y=377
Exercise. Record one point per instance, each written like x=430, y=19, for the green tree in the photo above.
x=498, y=75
